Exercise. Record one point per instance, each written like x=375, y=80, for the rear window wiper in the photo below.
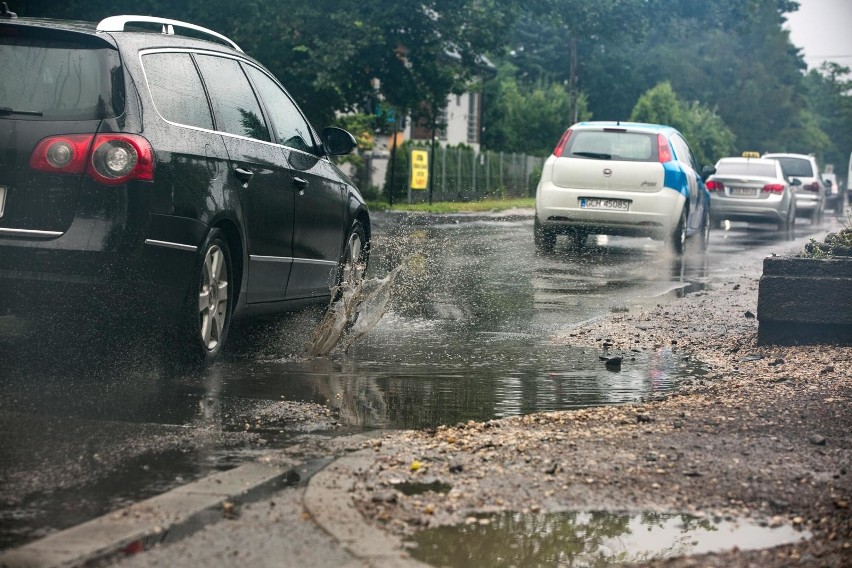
x=595, y=155
x=9, y=110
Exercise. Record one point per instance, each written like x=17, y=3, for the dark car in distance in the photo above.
x=164, y=174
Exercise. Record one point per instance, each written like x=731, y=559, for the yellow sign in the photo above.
x=419, y=169
x=751, y=154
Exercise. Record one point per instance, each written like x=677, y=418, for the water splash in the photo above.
x=357, y=310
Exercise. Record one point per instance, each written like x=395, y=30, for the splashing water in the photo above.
x=358, y=309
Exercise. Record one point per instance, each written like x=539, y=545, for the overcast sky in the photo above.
x=823, y=28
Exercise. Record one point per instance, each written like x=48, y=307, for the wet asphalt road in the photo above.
x=93, y=419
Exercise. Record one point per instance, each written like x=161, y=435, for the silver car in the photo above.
x=752, y=189
x=811, y=196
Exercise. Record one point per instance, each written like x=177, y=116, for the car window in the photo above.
x=235, y=108
x=593, y=144
x=745, y=169
x=796, y=167
x=683, y=152
x=58, y=79
x=289, y=126
x=176, y=89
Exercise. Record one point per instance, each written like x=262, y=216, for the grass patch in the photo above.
x=484, y=206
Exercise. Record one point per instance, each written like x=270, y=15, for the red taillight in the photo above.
x=62, y=154
x=561, y=145
x=812, y=187
x=119, y=158
x=715, y=186
x=663, y=150
x=109, y=159
x=773, y=188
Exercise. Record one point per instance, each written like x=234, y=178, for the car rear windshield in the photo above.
x=745, y=169
x=796, y=167
x=55, y=77
x=612, y=145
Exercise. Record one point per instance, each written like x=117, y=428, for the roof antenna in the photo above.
x=5, y=13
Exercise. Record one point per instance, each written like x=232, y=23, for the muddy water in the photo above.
x=469, y=330
x=588, y=539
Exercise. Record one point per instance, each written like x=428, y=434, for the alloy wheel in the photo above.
x=213, y=297
x=353, y=267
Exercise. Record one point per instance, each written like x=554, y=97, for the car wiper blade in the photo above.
x=595, y=155
x=9, y=110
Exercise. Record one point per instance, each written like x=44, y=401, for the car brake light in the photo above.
x=109, y=159
x=119, y=158
x=561, y=145
x=812, y=187
x=62, y=154
x=773, y=188
x=664, y=152
x=715, y=186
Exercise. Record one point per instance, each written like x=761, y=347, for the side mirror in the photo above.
x=828, y=183
x=337, y=142
x=796, y=181
x=707, y=171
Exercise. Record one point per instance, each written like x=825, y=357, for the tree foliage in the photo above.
x=707, y=134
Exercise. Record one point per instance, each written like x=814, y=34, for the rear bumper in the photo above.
x=88, y=265
x=769, y=209
x=650, y=214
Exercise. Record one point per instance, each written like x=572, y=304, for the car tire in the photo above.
x=209, y=305
x=677, y=240
x=816, y=216
x=841, y=205
x=353, y=264
x=790, y=222
x=544, y=238
x=704, y=236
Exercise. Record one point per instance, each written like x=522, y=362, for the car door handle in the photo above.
x=243, y=175
x=300, y=183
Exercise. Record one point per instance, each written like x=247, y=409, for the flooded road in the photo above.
x=468, y=335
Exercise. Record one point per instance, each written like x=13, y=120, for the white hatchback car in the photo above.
x=621, y=178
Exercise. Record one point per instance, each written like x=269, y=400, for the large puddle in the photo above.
x=588, y=539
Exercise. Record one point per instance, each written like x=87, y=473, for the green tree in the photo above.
x=707, y=134
x=829, y=96
x=525, y=117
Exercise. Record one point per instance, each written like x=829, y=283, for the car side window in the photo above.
x=176, y=89
x=235, y=107
x=289, y=126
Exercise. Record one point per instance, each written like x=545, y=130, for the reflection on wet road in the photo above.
x=93, y=420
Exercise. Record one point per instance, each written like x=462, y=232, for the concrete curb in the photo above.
x=164, y=518
x=328, y=499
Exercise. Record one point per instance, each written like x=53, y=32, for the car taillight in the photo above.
x=715, y=186
x=109, y=159
x=812, y=187
x=773, y=188
x=561, y=145
x=62, y=154
x=664, y=152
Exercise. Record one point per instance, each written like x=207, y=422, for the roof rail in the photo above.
x=117, y=23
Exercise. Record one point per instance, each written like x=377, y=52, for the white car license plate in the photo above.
x=743, y=192
x=597, y=203
x=2, y=200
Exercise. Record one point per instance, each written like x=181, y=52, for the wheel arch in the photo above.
x=234, y=240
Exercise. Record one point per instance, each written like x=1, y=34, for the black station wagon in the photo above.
x=165, y=173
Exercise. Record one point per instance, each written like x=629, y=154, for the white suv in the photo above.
x=810, y=198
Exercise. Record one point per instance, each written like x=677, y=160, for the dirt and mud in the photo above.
x=766, y=436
